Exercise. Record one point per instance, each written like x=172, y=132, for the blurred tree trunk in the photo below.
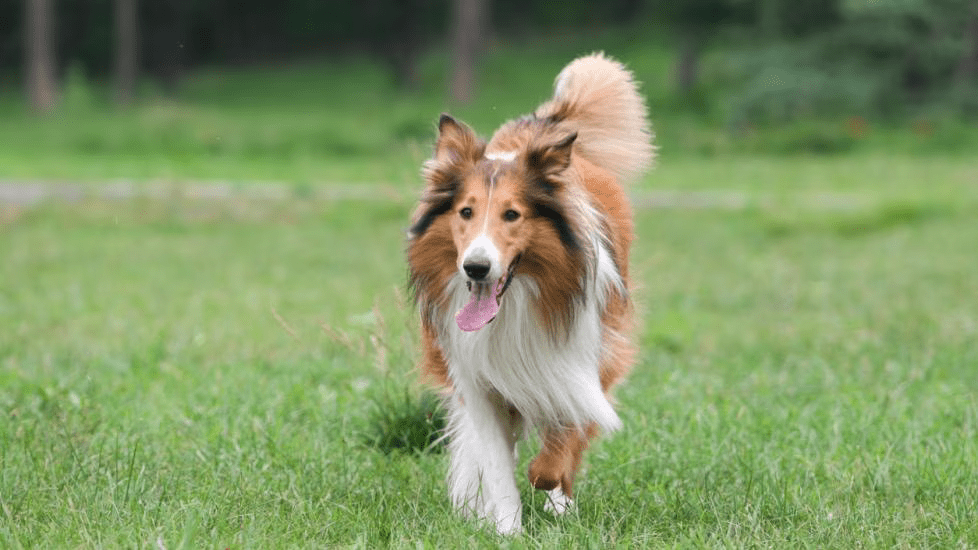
x=769, y=17
x=404, y=64
x=84, y=16
x=687, y=66
x=126, y=48
x=968, y=66
x=39, y=35
x=164, y=33
x=468, y=33
x=401, y=27
x=627, y=10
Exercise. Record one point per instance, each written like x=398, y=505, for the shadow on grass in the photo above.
x=403, y=421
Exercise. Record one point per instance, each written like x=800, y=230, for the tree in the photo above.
x=165, y=30
x=694, y=19
x=39, y=35
x=396, y=34
x=126, y=44
x=468, y=34
x=886, y=59
x=967, y=68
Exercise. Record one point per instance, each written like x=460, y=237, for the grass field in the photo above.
x=217, y=373
x=806, y=377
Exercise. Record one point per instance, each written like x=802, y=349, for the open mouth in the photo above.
x=484, y=299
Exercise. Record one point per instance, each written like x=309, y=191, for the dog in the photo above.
x=518, y=262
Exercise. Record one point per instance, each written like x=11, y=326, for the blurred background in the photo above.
x=308, y=91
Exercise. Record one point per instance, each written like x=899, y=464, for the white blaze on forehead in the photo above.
x=505, y=156
x=482, y=249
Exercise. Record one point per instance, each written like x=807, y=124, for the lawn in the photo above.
x=179, y=371
x=187, y=373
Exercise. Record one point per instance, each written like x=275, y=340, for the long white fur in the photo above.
x=482, y=440
x=515, y=362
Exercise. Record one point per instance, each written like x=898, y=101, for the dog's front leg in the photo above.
x=482, y=441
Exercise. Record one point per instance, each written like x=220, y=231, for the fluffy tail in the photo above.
x=596, y=97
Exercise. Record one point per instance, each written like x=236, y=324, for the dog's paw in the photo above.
x=509, y=526
x=508, y=519
x=557, y=502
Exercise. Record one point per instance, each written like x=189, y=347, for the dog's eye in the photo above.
x=466, y=213
x=511, y=215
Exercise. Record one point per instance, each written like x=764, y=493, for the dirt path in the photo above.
x=25, y=193
x=29, y=193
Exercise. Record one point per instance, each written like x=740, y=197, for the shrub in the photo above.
x=883, y=59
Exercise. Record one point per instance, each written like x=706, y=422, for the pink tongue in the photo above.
x=479, y=311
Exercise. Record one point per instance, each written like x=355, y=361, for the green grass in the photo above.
x=193, y=374
x=343, y=120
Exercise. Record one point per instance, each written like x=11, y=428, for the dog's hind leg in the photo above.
x=554, y=469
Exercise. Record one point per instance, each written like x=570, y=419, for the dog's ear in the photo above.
x=456, y=151
x=456, y=142
x=550, y=159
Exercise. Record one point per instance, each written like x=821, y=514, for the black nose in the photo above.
x=476, y=271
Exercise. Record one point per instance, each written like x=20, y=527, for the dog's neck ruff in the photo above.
x=546, y=380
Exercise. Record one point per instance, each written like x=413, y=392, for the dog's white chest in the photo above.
x=547, y=382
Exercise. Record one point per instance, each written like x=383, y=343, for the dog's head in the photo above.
x=489, y=208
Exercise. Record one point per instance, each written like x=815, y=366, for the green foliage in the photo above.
x=78, y=94
x=884, y=59
x=807, y=136
x=698, y=14
x=781, y=89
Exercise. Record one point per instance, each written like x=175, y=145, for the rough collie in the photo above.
x=518, y=254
